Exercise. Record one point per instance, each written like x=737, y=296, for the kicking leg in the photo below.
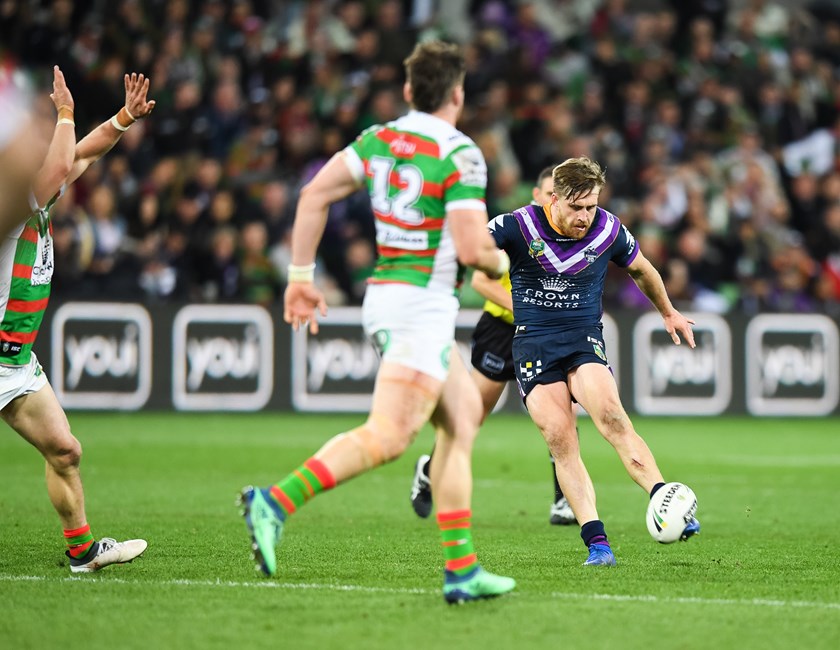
x=598, y=393
x=594, y=387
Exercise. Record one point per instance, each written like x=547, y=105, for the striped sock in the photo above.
x=79, y=541
x=457, y=541
x=298, y=487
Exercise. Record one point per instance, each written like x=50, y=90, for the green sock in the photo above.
x=298, y=487
x=79, y=540
x=456, y=533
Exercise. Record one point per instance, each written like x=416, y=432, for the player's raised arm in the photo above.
x=103, y=138
x=19, y=160
x=650, y=282
x=491, y=290
x=59, y=159
x=333, y=182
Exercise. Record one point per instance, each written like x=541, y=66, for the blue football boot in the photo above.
x=600, y=555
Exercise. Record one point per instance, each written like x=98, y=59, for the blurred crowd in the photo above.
x=718, y=122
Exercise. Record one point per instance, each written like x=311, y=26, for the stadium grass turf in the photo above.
x=359, y=570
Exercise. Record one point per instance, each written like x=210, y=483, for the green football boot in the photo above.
x=265, y=526
x=475, y=585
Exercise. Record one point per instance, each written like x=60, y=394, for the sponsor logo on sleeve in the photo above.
x=471, y=166
x=44, y=265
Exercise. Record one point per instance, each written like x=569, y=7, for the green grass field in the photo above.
x=359, y=570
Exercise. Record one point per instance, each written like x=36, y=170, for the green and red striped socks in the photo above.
x=79, y=541
x=299, y=487
x=458, y=547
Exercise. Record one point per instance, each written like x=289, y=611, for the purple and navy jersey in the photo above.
x=557, y=281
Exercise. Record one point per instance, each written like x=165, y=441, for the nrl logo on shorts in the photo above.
x=599, y=351
x=536, y=247
x=590, y=254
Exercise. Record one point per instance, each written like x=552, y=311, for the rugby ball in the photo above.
x=670, y=510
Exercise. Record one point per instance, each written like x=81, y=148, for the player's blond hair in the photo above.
x=577, y=177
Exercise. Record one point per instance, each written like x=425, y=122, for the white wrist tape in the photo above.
x=304, y=273
x=504, y=264
x=117, y=125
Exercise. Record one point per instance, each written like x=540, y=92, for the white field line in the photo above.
x=269, y=584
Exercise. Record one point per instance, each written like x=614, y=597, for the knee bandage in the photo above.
x=377, y=439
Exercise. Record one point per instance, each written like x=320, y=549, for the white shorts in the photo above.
x=411, y=326
x=16, y=381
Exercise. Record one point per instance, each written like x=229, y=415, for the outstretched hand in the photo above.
x=676, y=324
x=299, y=304
x=136, y=89
x=61, y=93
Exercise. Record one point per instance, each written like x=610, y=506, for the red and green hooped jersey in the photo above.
x=26, y=269
x=417, y=168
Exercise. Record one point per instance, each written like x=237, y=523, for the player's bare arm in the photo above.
x=650, y=282
x=302, y=298
x=491, y=290
x=103, y=138
x=59, y=159
x=474, y=245
x=19, y=160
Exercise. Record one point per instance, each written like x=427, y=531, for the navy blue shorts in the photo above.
x=548, y=357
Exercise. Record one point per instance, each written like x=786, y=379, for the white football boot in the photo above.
x=110, y=551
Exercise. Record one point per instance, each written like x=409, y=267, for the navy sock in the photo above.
x=655, y=488
x=592, y=532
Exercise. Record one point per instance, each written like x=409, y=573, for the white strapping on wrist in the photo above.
x=65, y=120
x=303, y=273
x=504, y=263
x=119, y=127
x=128, y=112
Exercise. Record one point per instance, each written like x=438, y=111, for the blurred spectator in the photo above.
x=111, y=270
x=717, y=121
x=259, y=281
x=218, y=275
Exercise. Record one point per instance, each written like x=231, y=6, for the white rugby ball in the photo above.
x=670, y=510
